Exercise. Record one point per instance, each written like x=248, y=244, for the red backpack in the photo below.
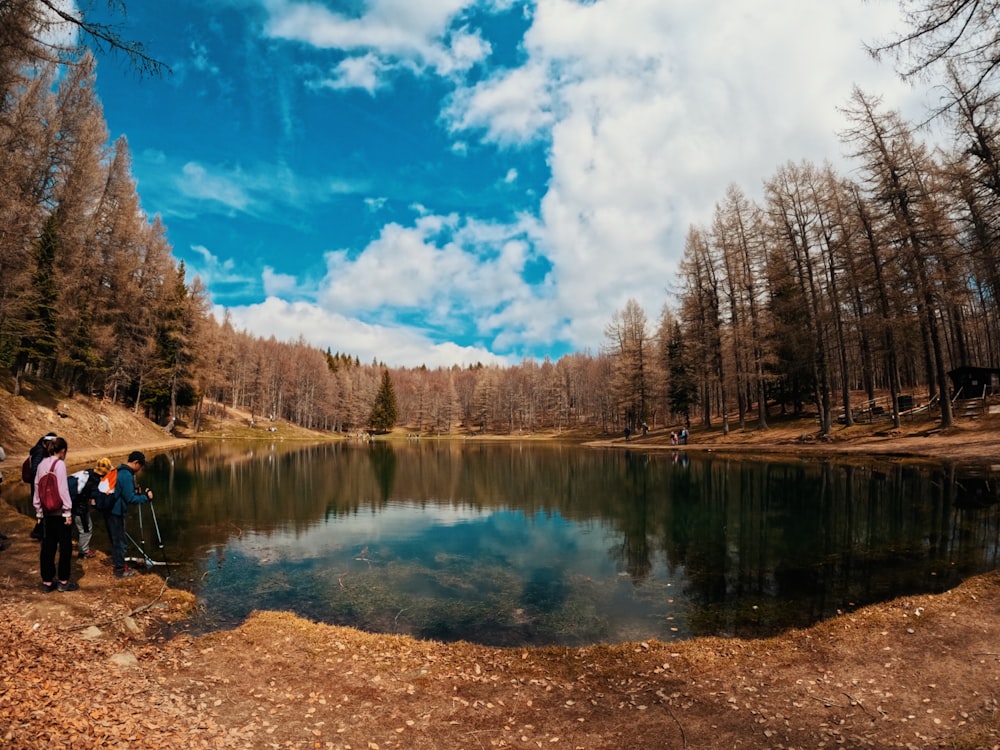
x=48, y=492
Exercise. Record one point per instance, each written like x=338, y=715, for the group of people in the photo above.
x=61, y=500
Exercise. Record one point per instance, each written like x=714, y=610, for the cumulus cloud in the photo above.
x=447, y=267
x=277, y=284
x=646, y=111
x=651, y=109
x=363, y=72
x=287, y=321
x=511, y=107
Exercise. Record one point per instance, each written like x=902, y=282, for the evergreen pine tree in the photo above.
x=385, y=410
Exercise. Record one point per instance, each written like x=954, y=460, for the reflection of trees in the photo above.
x=973, y=508
x=803, y=539
x=383, y=460
x=633, y=518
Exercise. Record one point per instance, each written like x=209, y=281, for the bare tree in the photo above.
x=959, y=33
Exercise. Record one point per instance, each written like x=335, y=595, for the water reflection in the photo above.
x=515, y=544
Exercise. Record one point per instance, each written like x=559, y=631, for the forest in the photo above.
x=829, y=291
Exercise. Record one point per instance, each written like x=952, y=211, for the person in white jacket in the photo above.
x=56, y=518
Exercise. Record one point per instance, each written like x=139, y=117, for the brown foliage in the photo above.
x=89, y=668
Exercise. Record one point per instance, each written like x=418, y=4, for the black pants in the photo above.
x=116, y=535
x=57, y=535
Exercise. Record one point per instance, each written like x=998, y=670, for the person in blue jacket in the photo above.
x=126, y=493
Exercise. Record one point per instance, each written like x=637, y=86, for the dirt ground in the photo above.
x=89, y=669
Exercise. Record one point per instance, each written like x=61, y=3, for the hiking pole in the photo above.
x=145, y=558
x=159, y=540
x=142, y=534
x=156, y=526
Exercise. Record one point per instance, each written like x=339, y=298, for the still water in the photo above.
x=510, y=544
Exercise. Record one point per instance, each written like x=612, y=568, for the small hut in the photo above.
x=975, y=382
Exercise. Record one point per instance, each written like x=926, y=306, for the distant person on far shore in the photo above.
x=56, y=518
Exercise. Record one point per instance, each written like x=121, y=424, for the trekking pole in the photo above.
x=142, y=534
x=156, y=526
x=159, y=541
x=145, y=558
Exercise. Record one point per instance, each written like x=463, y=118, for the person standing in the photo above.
x=56, y=522
x=126, y=493
x=35, y=455
x=86, y=482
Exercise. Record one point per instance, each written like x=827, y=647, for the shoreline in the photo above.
x=912, y=672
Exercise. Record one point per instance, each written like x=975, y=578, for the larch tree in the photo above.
x=797, y=232
x=629, y=344
x=961, y=34
x=701, y=317
x=895, y=167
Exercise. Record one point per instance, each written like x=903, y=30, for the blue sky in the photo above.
x=450, y=181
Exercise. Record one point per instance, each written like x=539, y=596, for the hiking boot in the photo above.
x=125, y=573
x=67, y=586
x=47, y=588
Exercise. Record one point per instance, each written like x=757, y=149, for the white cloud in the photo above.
x=415, y=35
x=258, y=189
x=197, y=182
x=216, y=274
x=362, y=72
x=200, y=59
x=276, y=284
x=286, y=321
x=511, y=107
x=451, y=269
x=652, y=109
x=647, y=110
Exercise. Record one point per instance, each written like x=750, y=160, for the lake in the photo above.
x=533, y=544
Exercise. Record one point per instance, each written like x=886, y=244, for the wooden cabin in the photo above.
x=975, y=382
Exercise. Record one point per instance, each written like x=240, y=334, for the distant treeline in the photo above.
x=831, y=285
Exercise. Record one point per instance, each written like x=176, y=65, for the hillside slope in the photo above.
x=95, y=427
